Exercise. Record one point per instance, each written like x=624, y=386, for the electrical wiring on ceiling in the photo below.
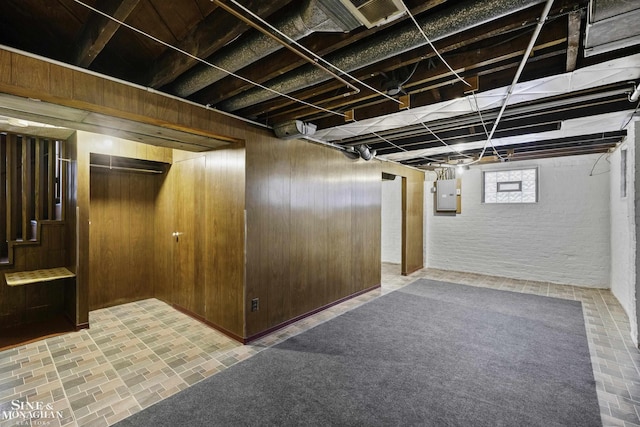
x=484, y=126
x=398, y=146
x=596, y=163
x=310, y=52
x=203, y=61
x=431, y=44
x=633, y=113
x=285, y=43
x=443, y=142
x=475, y=100
x=534, y=37
x=473, y=159
x=523, y=62
x=459, y=78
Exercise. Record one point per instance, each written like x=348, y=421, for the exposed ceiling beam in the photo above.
x=215, y=31
x=573, y=39
x=448, y=85
x=576, y=145
x=504, y=28
x=561, y=152
x=98, y=30
x=461, y=137
x=284, y=42
x=283, y=61
x=466, y=131
x=479, y=62
x=574, y=142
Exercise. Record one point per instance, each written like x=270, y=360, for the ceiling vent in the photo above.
x=373, y=13
x=612, y=25
x=294, y=129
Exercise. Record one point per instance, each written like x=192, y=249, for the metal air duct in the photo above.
x=462, y=16
x=312, y=16
x=294, y=129
x=613, y=24
x=365, y=152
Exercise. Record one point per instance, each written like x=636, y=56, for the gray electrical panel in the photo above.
x=446, y=200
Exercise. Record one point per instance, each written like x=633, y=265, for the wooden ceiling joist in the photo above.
x=215, y=31
x=573, y=39
x=99, y=29
x=553, y=34
x=283, y=61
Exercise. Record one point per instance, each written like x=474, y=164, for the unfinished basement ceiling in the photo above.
x=390, y=90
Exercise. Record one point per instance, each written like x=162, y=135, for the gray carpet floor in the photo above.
x=430, y=354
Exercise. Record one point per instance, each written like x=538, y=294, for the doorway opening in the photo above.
x=392, y=220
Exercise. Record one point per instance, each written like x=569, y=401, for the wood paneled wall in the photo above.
x=132, y=219
x=96, y=249
x=122, y=236
x=52, y=246
x=202, y=271
x=25, y=304
x=29, y=77
x=71, y=220
x=312, y=215
x=313, y=229
x=225, y=238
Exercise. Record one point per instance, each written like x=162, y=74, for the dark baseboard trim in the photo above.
x=273, y=328
x=406, y=273
x=310, y=313
x=82, y=326
x=208, y=323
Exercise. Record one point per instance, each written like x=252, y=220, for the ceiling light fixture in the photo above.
x=461, y=167
x=635, y=95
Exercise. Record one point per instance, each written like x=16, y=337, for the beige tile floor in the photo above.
x=140, y=353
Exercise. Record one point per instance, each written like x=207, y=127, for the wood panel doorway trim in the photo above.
x=412, y=215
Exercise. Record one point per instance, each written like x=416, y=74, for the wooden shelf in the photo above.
x=36, y=276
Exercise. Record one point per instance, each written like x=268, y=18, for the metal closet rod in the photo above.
x=122, y=168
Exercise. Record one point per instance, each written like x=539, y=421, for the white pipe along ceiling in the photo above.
x=624, y=70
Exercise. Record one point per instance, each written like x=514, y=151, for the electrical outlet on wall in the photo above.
x=255, y=304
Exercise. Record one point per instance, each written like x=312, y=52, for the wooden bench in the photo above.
x=37, y=276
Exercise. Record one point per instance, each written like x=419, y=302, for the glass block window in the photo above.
x=510, y=186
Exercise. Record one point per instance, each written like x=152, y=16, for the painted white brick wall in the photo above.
x=623, y=239
x=392, y=221
x=564, y=238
